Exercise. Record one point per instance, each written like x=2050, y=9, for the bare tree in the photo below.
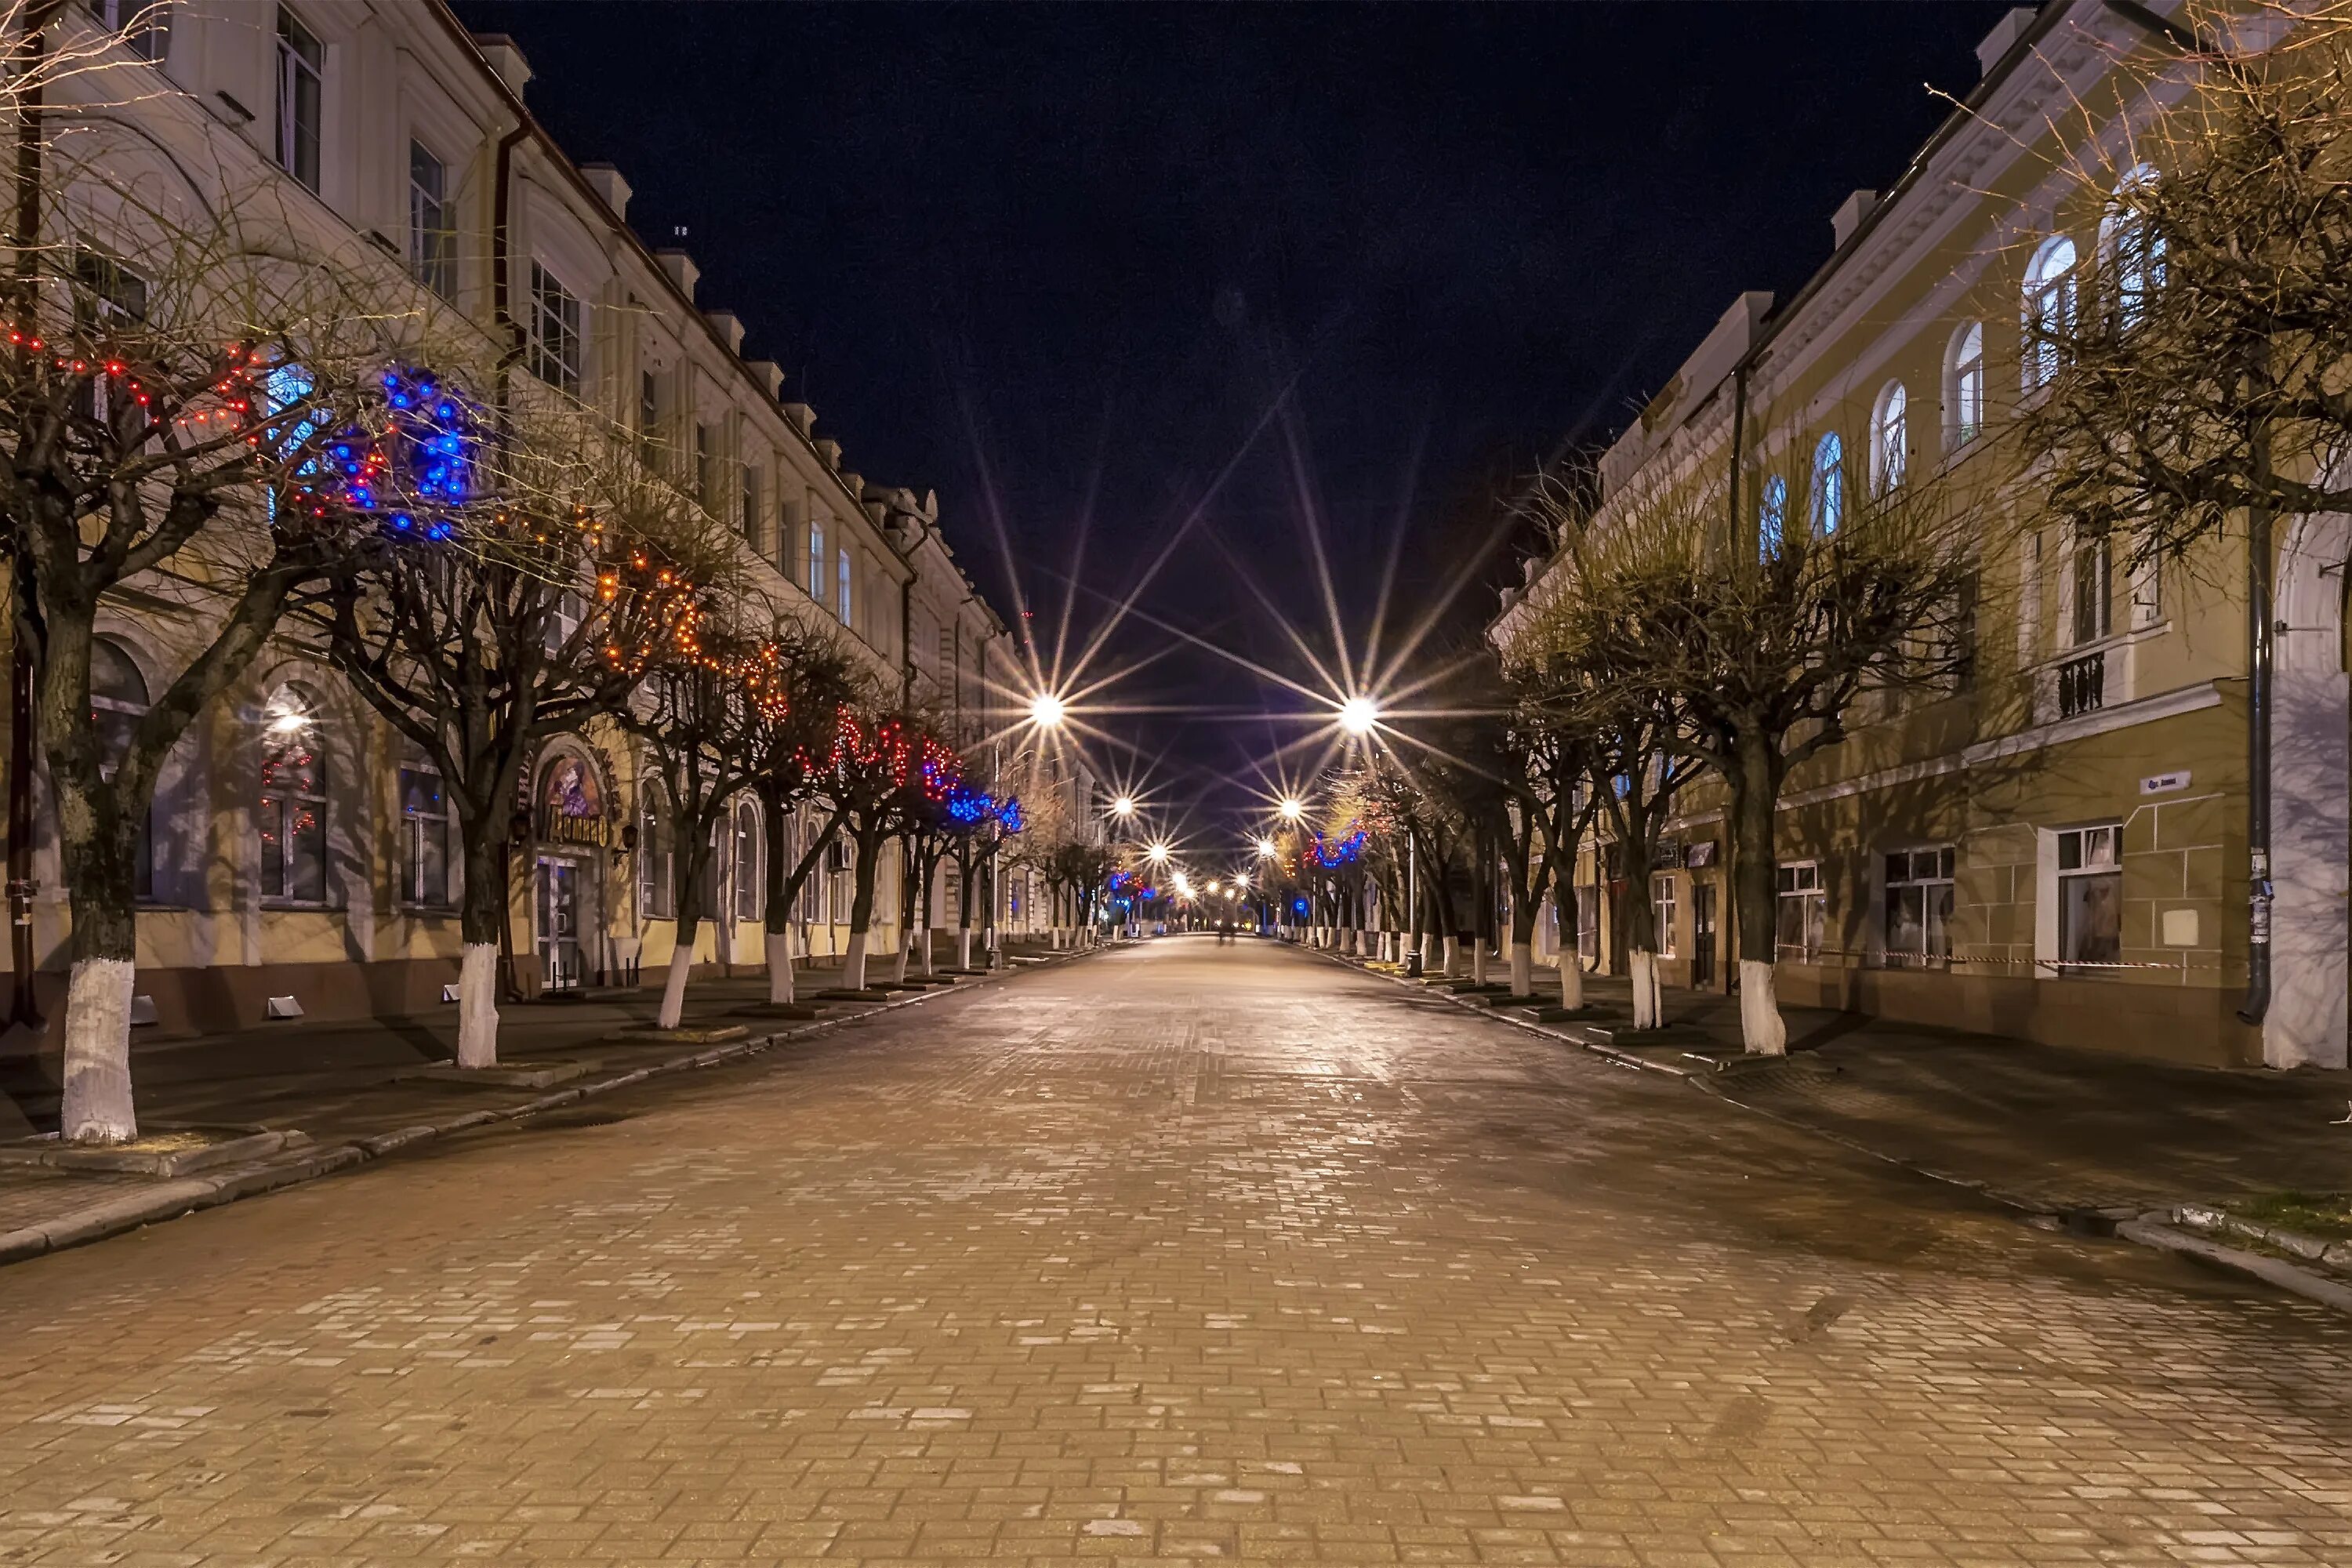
x=881, y=768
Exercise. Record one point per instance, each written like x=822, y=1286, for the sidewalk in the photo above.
x=354, y=1093
x=2052, y=1130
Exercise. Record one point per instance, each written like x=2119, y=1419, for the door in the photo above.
x=559, y=924
x=1702, y=935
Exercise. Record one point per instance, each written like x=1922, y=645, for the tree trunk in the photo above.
x=779, y=965
x=99, y=849
x=1754, y=792
x=1644, y=966
x=479, y=918
x=861, y=915
x=1523, y=969
x=682, y=964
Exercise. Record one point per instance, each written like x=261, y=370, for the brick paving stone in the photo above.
x=1181, y=1255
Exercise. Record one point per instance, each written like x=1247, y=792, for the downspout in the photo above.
x=1725, y=919
x=907, y=618
x=501, y=262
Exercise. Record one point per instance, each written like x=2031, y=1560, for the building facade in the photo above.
x=2056, y=846
x=302, y=857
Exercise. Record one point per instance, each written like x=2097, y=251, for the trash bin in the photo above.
x=1413, y=964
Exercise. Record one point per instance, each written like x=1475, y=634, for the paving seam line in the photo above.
x=2147, y=1231
x=187, y=1195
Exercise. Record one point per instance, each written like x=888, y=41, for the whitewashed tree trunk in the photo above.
x=1523, y=969
x=673, y=1003
x=1761, y=1028
x=1453, y=954
x=1478, y=960
x=98, y=1105
x=963, y=948
x=1571, y=978
x=478, y=1006
x=853, y=964
x=779, y=966
x=905, y=951
x=1644, y=966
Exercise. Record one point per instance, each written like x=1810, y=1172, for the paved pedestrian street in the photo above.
x=1184, y=1252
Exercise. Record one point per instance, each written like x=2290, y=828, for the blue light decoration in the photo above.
x=1149, y=894
x=1347, y=850
x=970, y=806
x=1008, y=814
x=416, y=471
x=1299, y=907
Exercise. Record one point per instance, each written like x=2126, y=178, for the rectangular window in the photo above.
x=554, y=332
x=432, y=223
x=816, y=558
x=1802, y=912
x=649, y=418
x=145, y=25
x=1661, y=911
x=1918, y=906
x=2090, y=895
x=292, y=816
x=706, y=467
x=423, y=838
x=301, y=59
x=2093, y=604
x=1588, y=925
x=754, y=523
x=842, y=600
x=746, y=862
x=656, y=877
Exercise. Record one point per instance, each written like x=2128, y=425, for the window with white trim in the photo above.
x=2090, y=895
x=1801, y=913
x=144, y=26
x=555, y=342
x=1919, y=905
x=1771, y=517
x=118, y=699
x=2050, y=286
x=423, y=837
x=1662, y=911
x=747, y=861
x=2091, y=609
x=432, y=223
x=2132, y=248
x=843, y=602
x=1890, y=438
x=290, y=813
x=301, y=64
x=816, y=557
x=656, y=856
x=1829, y=485
x=1964, y=391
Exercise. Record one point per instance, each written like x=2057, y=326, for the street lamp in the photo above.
x=1359, y=715
x=1267, y=849
x=1124, y=805
x=1046, y=710
x=1157, y=854
x=1292, y=808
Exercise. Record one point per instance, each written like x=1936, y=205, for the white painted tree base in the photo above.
x=853, y=964
x=1452, y=957
x=1523, y=969
x=963, y=950
x=1571, y=978
x=1478, y=962
x=779, y=966
x=98, y=1107
x=1647, y=1010
x=478, y=1006
x=1761, y=1028
x=673, y=1005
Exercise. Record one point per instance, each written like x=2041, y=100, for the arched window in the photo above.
x=1829, y=485
x=2050, y=289
x=1771, y=517
x=118, y=695
x=1890, y=438
x=657, y=848
x=1965, y=390
x=747, y=861
x=2132, y=248
x=291, y=813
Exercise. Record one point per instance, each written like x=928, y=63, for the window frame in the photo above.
x=146, y=29
x=1941, y=861
x=1965, y=386
x=1663, y=912
x=1825, y=505
x=1890, y=438
x=281, y=808
x=844, y=607
x=2084, y=872
x=2050, y=310
x=431, y=250
x=414, y=831
x=656, y=851
x=569, y=317
x=744, y=863
x=295, y=65
x=1800, y=881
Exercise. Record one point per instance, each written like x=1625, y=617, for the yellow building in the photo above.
x=2058, y=849
x=299, y=857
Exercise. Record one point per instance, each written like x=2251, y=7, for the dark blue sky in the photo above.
x=1074, y=256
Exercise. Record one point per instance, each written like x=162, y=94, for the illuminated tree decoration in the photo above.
x=416, y=470
x=1346, y=850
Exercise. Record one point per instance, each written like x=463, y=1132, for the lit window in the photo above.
x=423, y=838
x=432, y=225
x=301, y=60
x=1771, y=517
x=1662, y=911
x=291, y=813
x=1829, y=485
x=2090, y=895
x=1918, y=906
x=1889, y=438
x=1802, y=912
x=1968, y=385
x=2050, y=288
x=816, y=558
x=842, y=602
x=554, y=332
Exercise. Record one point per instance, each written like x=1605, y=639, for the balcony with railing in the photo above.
x=2082, y=684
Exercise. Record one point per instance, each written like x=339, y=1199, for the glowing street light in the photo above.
x=1359, y=715
x=1124, y=805
x=1216, y=887
x=1293, y=809
x=1046, y=710
x=1267, y=849
x=1158, y=855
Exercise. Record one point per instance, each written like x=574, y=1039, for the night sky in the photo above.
x=1126, y=277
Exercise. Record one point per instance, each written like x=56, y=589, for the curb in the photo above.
x=188, y=1195
x=2151, y=1230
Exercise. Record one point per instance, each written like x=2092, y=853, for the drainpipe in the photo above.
x=2259, y=626
x=501, y=263
x=906, y=619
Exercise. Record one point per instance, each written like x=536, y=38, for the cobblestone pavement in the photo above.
x=1185, y=1252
